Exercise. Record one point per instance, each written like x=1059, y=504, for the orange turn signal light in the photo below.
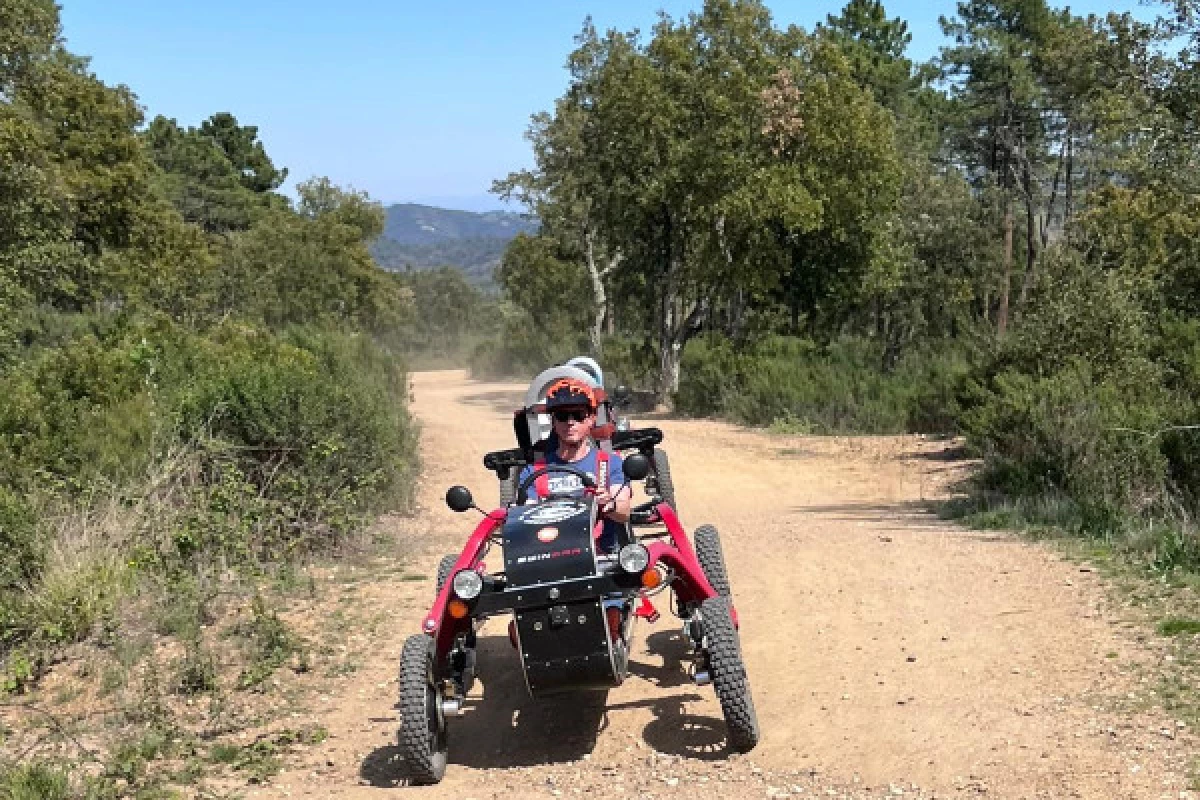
x=457, y=608
x=652, y=578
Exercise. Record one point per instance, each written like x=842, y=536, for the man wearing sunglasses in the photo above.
x=572, y=406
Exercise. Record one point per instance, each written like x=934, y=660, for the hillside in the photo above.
x=424, y=236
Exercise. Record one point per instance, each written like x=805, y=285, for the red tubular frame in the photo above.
x=691, y=585
x=440, y=625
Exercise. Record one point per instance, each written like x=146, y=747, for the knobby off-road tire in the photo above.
x=712, y=559
x=728, y=673
x=422, y=734
x=662, y=479
x=445, y=570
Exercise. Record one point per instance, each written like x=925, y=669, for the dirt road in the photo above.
x=889, y=653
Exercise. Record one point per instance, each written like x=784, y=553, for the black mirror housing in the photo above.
x=459, y=499
x=636, y=467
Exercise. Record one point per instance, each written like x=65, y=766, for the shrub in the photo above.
x=34, y=781
x=229, y=448
x=841, y=388
x=1074, y=434
x=522, y=351
x=22, y=550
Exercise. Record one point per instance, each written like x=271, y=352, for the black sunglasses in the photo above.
x=578, y=416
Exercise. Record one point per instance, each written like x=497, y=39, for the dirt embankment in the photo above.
x=890, y=653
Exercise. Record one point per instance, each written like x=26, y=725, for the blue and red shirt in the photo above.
x=567, y=484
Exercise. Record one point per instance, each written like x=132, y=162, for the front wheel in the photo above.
x=444, y=570
x=712, y=559
x=728, y=673
x=422, y=734
x=664, y=487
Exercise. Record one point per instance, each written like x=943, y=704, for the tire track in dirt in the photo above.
x=887, y=651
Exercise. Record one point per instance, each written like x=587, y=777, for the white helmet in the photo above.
x=589, y=366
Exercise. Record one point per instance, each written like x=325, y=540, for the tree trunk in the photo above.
x=737, y=314
x=1002, y=313
x=599, y=294
x=1030, y=239
x=668, y=372
x=668, y=352
x=1069, y=194
x=599, y=297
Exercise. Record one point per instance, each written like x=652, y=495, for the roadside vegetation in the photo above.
x=202, y=392
x=808, y=231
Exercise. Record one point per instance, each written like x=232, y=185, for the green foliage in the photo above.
x=875, y=47
x=723, y=159
x=244, y=151
x=801, y=386
x=547, y=283
x=520, y=349
x=312, y=268
x=288, y=444
x=445, y=312
x=35, y=781
x=1176, y=626
x=272, y=644
x=1070, y=432
x=198, y=178
x=21, y=549
x=262, y=758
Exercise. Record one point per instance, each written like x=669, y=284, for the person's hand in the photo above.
x=604, y=500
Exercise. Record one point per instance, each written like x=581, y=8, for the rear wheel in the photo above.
x=664, y=487
x=728, y=673
x=445, y=570
x=422, y=734
x=712, y=559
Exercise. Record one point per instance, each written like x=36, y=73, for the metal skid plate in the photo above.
x=566, y=647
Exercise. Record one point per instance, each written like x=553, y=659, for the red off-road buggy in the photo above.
x=572, y=609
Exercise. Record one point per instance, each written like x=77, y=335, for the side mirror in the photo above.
x=622, y=396
x=459, y=499
x=636, y=467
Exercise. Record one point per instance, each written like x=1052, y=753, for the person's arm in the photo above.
x=621, y=502
x=526, y=471
x=619, y=496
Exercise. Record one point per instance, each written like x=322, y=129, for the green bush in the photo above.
x=1087, y=407
x=521, y=351
x=21, y=548
x=840, y=388
x=34, y=781
x=242, y=448
x=1071, y=433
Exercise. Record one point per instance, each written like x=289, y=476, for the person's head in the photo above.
x=572, y=405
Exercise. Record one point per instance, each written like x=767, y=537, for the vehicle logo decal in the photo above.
x=547, y=534
x=553, y=512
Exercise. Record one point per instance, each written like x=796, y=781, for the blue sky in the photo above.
x=410, y=101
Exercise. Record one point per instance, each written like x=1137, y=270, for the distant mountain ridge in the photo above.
x=423, y=237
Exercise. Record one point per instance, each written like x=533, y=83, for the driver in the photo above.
x=572, y=403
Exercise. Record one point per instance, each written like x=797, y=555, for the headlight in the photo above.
x=634, y=557
x=468, y=584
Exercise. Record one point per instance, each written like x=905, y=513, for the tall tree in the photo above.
x=245, y=152
x=998, y=103
x=875, y=46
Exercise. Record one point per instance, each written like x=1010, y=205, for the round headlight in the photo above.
x=634, y=557
x=468, y=584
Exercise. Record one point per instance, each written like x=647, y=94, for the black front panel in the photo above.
x=549, y=542
x=569, y=591
x=566, y=647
